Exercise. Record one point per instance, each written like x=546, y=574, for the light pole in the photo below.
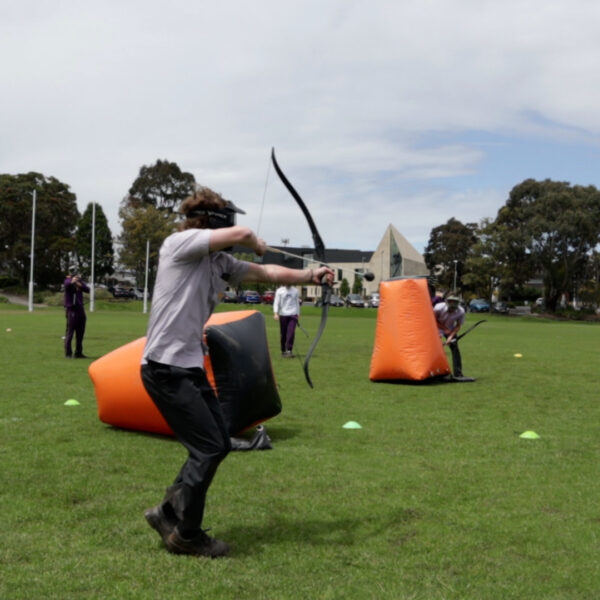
x=146, y=277
x=454, y=289
x=93, y=253
x=34, y=193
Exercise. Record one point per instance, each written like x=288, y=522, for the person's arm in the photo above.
x=276, y=302
x=286, y=276
x=450, y=336
x=236, y=236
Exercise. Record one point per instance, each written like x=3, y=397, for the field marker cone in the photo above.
x=351, y=425
x=529, y=435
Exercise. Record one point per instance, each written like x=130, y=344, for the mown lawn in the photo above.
x=436, y=497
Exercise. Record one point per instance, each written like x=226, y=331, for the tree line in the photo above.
x=63, y=235
x=547, y=230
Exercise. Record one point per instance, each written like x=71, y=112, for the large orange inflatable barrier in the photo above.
x=407, y=343
x=238, y=367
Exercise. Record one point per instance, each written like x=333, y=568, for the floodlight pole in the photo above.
x=146, y=280
x=93, y=256
x=34, y=193
x=454, y=289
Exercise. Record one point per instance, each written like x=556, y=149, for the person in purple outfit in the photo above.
x=75, y=312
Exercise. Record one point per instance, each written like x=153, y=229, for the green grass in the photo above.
x=436, y=497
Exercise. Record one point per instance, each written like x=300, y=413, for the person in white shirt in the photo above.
x=286, y=309
x=193, y=271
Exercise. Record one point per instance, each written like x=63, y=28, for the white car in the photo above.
x=374, y=300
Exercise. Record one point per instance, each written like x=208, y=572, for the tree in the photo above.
x=482, y=270
x=103, y=251
x=344, y=288
x=55, y=222
x=357, y=285
x=140, y=225
x=553, y=228
x=162, y=185
x=449, y=243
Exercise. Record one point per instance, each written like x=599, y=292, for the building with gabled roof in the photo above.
x=394, y=257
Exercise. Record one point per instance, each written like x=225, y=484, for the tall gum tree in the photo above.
x=554, y=227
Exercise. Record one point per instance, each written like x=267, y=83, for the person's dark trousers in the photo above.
x=76, y=320
x=287, y=332
x=456, y=359
x=189, y=405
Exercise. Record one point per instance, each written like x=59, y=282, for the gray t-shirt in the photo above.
x=188, y=283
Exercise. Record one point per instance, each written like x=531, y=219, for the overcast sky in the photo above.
x=407, y=112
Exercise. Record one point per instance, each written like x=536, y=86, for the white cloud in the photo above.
x=348, y=92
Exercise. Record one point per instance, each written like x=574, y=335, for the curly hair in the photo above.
x=202, y=198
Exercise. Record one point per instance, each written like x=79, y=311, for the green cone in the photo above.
x=529, y=435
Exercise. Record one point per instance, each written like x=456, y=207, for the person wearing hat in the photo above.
x=450, y=316
x=193, y=271
x=74, y=288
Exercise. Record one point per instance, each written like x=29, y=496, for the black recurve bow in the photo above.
x=319, y=255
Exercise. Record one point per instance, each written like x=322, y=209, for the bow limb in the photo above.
x=470, y=329
x=319, y=255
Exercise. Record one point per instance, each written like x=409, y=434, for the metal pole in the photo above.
x=32, y=250
x=455, y=276
x=92, y=295
x=146, y=281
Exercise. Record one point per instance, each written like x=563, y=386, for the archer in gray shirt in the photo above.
x=192, y=271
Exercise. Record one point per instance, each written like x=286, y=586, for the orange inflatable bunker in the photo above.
x=238, y=367
x=407, y=343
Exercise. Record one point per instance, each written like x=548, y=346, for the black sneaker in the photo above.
x=200, y=545
x=79, y=356
x=157, y=520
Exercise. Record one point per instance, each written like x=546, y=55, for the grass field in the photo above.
x=436, y=497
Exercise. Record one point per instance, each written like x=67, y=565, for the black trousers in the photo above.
x=189, y=405
x=456, y=359
x=287, y=332
x=76, y=320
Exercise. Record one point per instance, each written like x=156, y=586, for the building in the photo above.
x=393, y=257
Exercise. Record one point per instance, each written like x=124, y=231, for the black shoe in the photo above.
x=462, y=379
x=158, y=520
x=200, y=545
x=80, y=356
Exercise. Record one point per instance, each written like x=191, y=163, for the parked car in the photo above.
x=138, y=293
x=333, y=301
x=120, y=292
x=355, y=300
x=268, y=297
x=250, y=297
x=374, y=300
x=479, y=305
x=230, y=297
x=500, y=307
